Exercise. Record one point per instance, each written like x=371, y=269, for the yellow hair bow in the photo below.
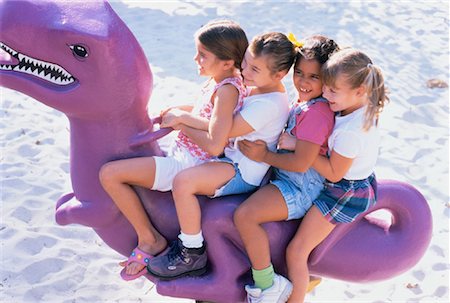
x=294, y=40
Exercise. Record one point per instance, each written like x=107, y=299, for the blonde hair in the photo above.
x=358, y=70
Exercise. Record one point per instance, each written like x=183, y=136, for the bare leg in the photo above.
x=199, y=180
x=265, y=205
x=313, y=229
x=116, y=178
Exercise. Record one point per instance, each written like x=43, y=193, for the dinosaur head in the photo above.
x=77, y=57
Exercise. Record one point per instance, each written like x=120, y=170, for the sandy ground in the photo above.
x=44, y=262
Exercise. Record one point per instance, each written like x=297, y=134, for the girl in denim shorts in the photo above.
x=354, y=88
x=296, y=183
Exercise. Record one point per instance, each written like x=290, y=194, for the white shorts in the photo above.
x=166, y=168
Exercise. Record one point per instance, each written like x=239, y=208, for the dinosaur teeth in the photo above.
x=5, y=67
x=44, y=70
x=8, y=49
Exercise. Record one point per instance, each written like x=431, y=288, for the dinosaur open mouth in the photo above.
x=12, y=60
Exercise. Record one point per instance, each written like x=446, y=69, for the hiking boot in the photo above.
x=279, y=292
x=179, y=261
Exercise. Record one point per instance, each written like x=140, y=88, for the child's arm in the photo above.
x=254, y=116
x=215, y=139
x=205, y=140
x=333, y=168
x=175, y=116
x=240, y=127
x=287, y=141
x=311, y=132
x=298, y=161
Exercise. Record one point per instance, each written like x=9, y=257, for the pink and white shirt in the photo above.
x=205, y=110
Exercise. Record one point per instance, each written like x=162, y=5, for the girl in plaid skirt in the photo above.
x=354, y=87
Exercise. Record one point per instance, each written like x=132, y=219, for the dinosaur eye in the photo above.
x=79, y=51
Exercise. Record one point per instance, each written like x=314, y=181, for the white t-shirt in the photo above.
x=267, y=114
x=351, y=141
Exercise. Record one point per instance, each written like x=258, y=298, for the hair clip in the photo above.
x=294, y=40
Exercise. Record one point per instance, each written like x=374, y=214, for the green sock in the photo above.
x=263, y=278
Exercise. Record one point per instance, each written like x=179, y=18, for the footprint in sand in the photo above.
x=440, y=266
x=419, y=275
x=23, y=214
x=438, y=250
x=415, y=288
x=35, y=245
x=37, y=271
x=28, y=151
x=441, y=292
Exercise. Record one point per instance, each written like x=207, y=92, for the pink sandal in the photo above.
x=137, y=256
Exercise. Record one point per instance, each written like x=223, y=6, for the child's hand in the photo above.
x=165, y=111
x=178, y=126
x=186, y=108
x=171, y=118
x=254, y=150
x=287, y=142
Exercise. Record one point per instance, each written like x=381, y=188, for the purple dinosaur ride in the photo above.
x=81, y=59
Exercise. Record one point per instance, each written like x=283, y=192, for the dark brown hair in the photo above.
x=225, y=39
x=317, y=47
x=278, y=47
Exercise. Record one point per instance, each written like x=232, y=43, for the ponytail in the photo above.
x=376, y=93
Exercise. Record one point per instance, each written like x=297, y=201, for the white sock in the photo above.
x=191, y=241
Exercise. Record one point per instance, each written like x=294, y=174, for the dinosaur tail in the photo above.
x=371, y=249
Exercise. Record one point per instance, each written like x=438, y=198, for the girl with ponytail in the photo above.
x=354, y=88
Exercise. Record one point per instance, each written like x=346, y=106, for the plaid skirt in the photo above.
x=345, y=200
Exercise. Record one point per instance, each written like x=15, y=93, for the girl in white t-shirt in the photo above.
x=221, y=45
x=295, y=183
x=262, y=117
x=355, y=90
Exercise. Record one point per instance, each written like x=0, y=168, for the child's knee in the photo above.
x=182, y=184
x=297, y=249
x=242, y=216
x=238, y=217
x=107, y=174
x=292, y=249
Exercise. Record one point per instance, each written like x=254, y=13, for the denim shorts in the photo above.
x=236, y=185
x=299, y=195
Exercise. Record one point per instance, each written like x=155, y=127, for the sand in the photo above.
x=44, y=262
